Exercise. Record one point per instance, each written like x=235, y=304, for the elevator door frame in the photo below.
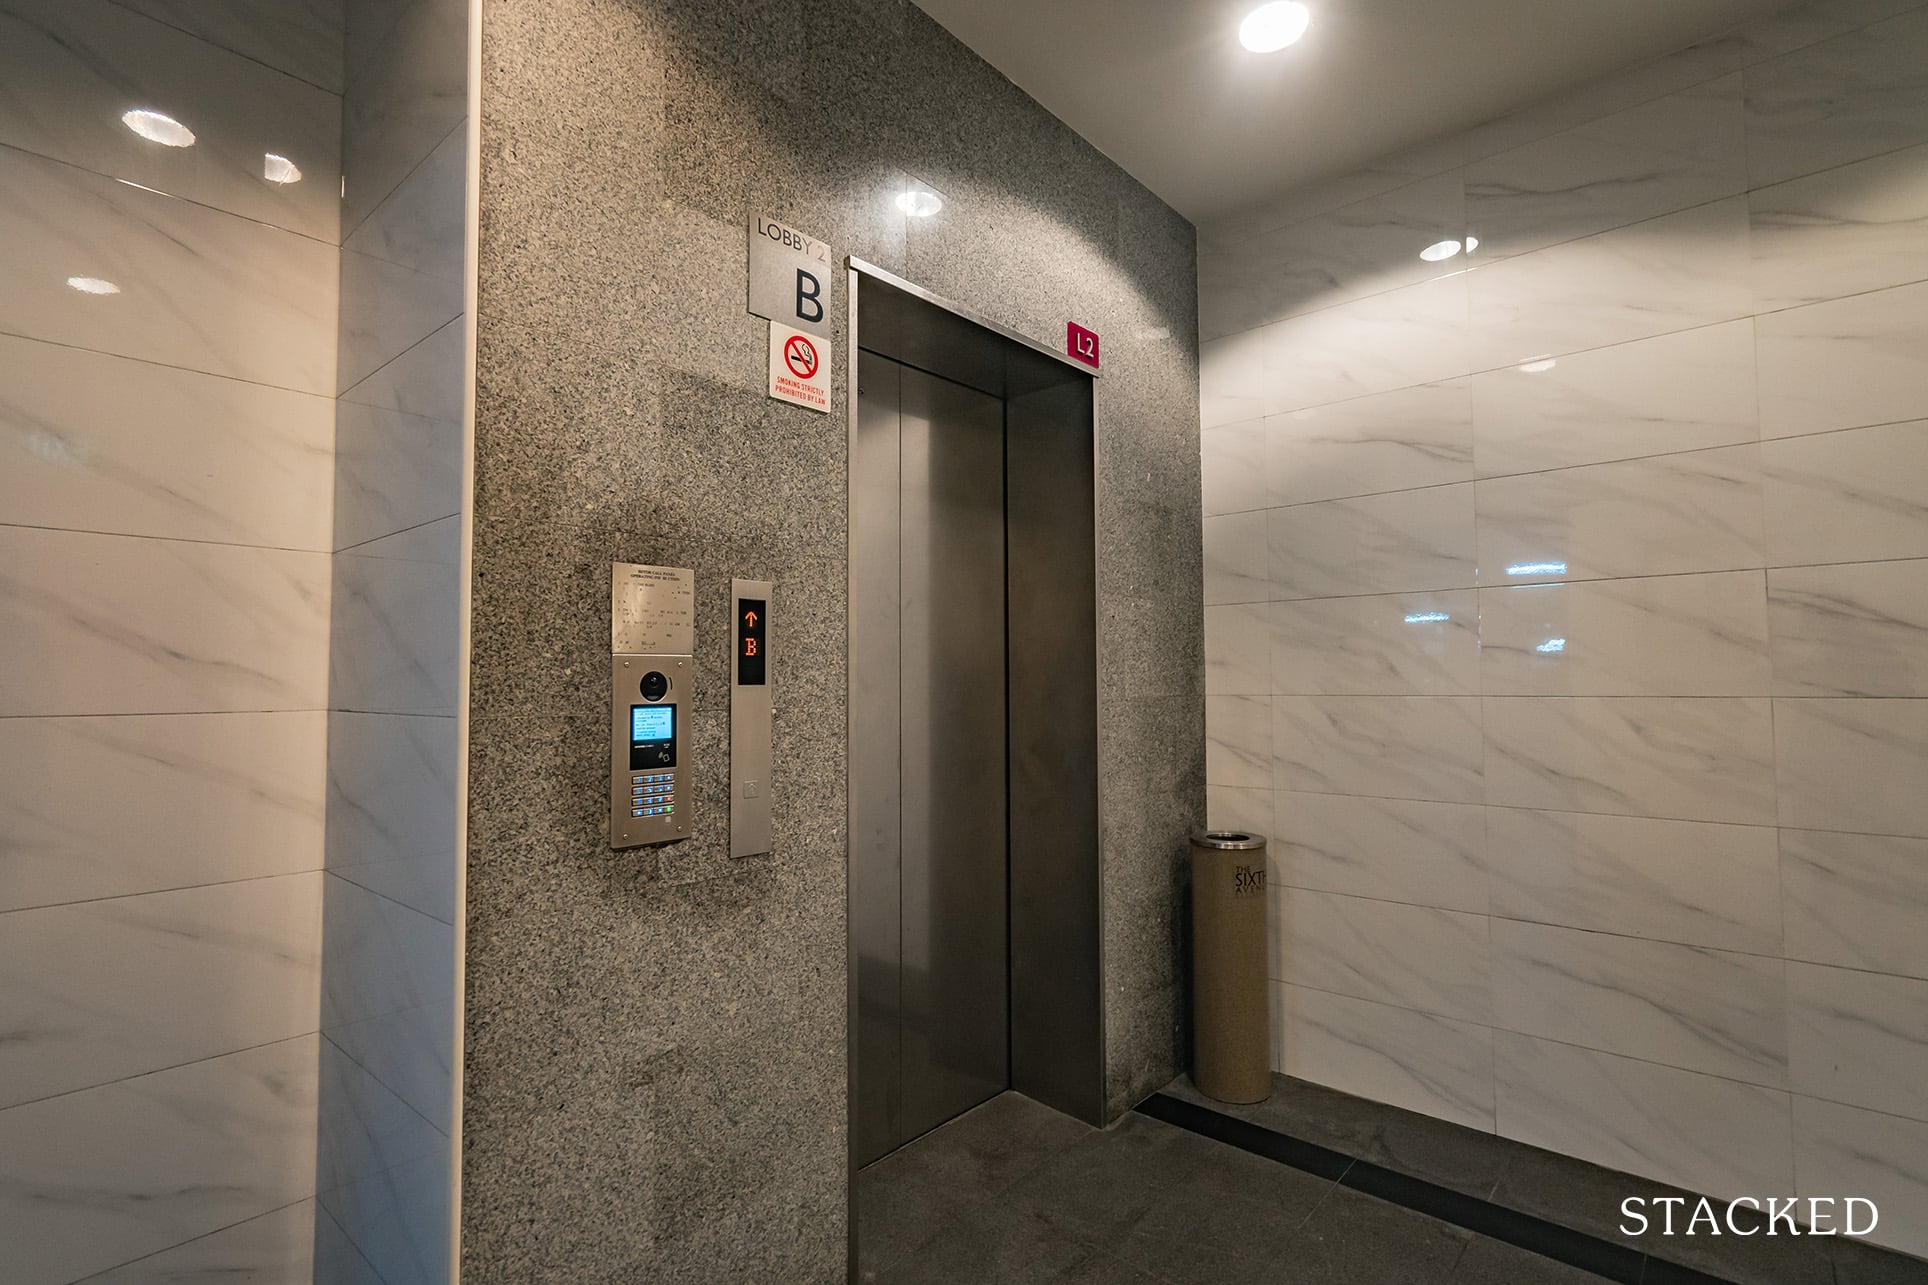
x=1056, y=1017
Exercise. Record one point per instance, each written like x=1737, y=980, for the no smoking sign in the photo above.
x=799, y=368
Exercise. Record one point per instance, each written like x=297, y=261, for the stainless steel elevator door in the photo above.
x=929, y=913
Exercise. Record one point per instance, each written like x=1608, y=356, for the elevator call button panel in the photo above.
x=652, y=642
x=751, y=712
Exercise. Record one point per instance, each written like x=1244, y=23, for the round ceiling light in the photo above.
x=1271, y=27
x=1439, y=250
x=277, y=168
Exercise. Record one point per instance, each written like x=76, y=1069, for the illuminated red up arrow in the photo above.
x=749, y=618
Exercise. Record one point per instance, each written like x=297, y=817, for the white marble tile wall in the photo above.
x=388, y=979
x=1567, y=613
x=169, y=270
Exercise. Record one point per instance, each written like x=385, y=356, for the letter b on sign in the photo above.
x=809, y=297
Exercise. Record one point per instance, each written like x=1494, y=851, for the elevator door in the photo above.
x=928, y=754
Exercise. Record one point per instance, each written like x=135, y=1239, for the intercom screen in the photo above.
x=652, y=722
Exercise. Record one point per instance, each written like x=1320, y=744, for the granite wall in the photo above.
x=1567, y=607
x=655, y=1061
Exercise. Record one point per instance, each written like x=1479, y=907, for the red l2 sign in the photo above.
x=1081, y=343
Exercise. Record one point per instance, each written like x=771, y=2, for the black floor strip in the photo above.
x=1550, y=1240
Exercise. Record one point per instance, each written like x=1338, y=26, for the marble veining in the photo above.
x=1415, y=957
x=1715, y=1011
x=1692, y=882
x=1389, y=1054
x=243, y=792
x=1701, y=1132
x=1394, y=441
x=98, y=624
x=197, y=287
x=1652, y=159
x=1858, y=630
x=1645, y=473
x=96, y=442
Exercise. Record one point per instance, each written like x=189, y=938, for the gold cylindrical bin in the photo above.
x=1231, y=1020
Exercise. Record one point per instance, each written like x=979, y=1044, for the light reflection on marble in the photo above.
x=243, y=794
x=95, y=442
x=1406, y=747
x=1359, y=249
x=1858, y=95
x=1673, y=152
x=1679, y=392
x=199, y=288
x=1844, y=364
x=1396, y=543
x=1698, y=511
x=1842, y=232
x=1700, y=1132
x=237, y=1132
x=1671, y=273
x=1428, y=854
x=1395, y=441
x=1855, y=900
x=1847, y=497
x=1853, y=765
x=1687, y=635
x=1684, y=1006
x=1697, y=760
x=101, y=990
x=1434, y=961
x=1856, y=1037
x=1691, y=882
x=1850, y=631
x=70, y=68
x=99, y=624
x=1394, y=645
x=1844, y=1150
x=1413, y=1060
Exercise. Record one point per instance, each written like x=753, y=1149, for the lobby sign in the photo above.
x=791, y=277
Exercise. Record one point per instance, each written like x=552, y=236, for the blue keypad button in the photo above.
x=636, y=812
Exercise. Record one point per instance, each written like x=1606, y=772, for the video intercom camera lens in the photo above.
x=655, y=685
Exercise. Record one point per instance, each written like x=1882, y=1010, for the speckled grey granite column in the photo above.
x=655, y=1067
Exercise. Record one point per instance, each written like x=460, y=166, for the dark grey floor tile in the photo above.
x=1205, y=1228
x=1105, y=1184
x=1353, y=1238
x=1439, y=1151
x=1494, y=1262
x=1858, y=1263
x=995, y=1244
x=1103, y=1269
x=913, y=1193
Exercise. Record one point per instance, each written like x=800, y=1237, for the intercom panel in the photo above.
x=652, y=614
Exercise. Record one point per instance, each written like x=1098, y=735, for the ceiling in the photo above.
x=1164, y=88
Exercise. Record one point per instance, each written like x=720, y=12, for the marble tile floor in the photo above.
x=1013, y=1192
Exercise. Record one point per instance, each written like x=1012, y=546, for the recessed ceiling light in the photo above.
x=158, y=128
x=1535, y=365
x=93, y=285
x=919, y=202
x=279, y=169
x=1472, y=244
x=1272, y=27
x=1439, y=250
